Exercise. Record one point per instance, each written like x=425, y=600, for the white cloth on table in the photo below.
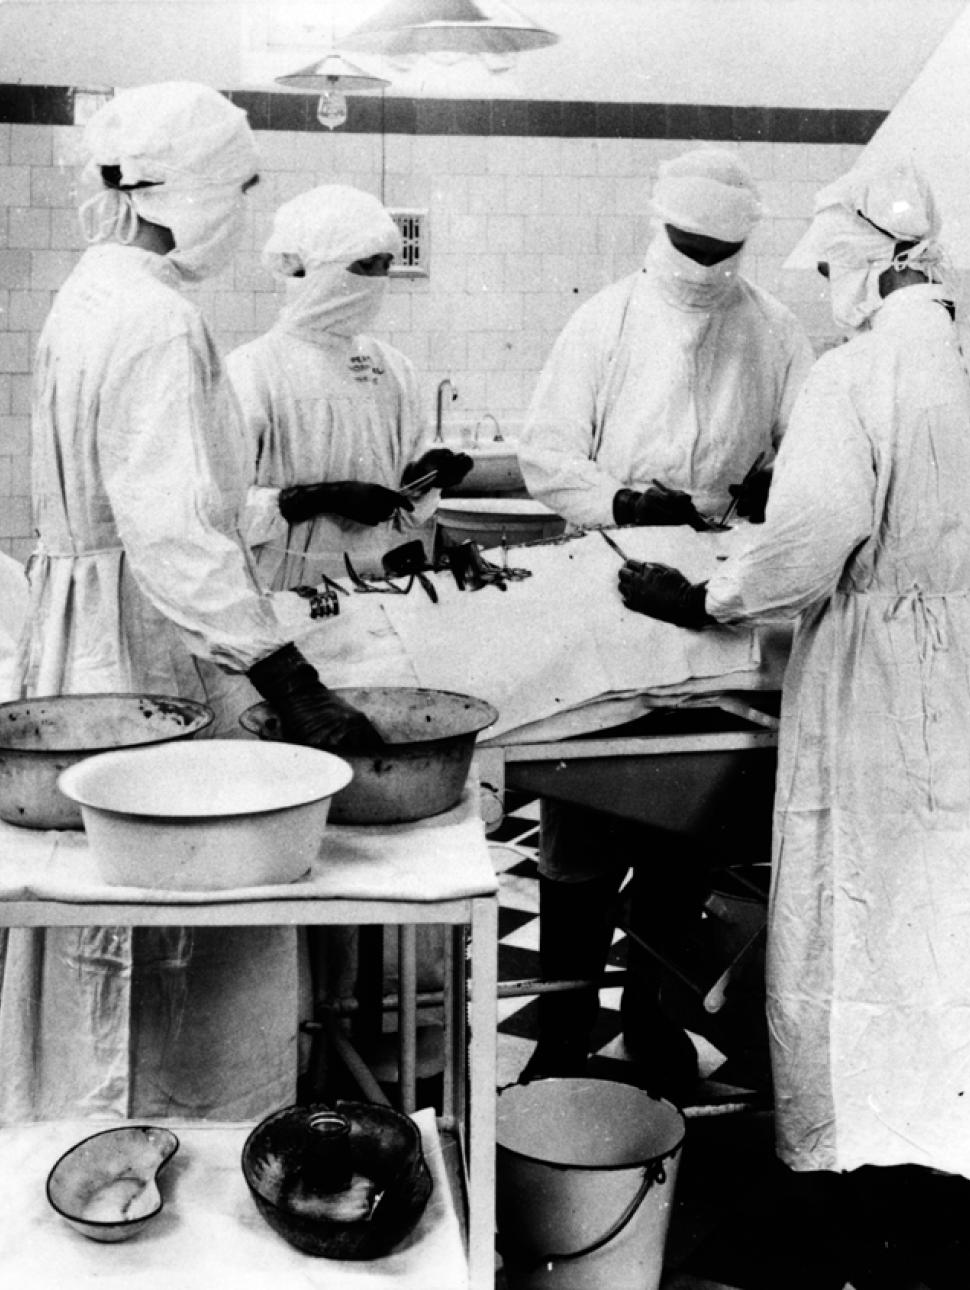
x=209, y=1232
x=562, y=638
x=441, y=858
x=867, y=536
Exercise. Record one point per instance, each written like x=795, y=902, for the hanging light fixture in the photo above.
x=333, y=78
x=408, y=27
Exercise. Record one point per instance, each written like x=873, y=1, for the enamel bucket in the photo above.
x=585, y=1184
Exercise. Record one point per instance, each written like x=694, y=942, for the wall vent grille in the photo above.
x=413, y=260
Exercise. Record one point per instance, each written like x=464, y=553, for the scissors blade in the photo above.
x=416, y=485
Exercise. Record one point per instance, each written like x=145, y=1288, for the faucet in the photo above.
x=496, y=437
x=441, y=385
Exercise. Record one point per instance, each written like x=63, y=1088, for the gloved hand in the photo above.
x=752, y=496
x=450, y=467
x=661, y=592
x=656, y=505
x=351, y=498
x=309, y=713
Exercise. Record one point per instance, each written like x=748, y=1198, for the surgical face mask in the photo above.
x=684, y=282
x=332, y=301
x=854, y=292
x=206, y=222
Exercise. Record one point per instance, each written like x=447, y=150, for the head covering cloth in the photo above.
x=709, y=191
x=860, y=222
x=192, y=149
x=315, y=238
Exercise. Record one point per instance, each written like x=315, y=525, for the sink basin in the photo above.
x=496, y=470
x=487, y=520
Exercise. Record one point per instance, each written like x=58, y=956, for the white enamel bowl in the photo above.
x=205, y=816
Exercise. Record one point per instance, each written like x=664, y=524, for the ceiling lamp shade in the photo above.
x=447, y=26
x=332, y=73
x=332, y=77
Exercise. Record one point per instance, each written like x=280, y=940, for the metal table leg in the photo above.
x=407, y=1016
x=483, y=1021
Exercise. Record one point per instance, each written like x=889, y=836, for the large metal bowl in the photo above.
x=430, y=740
x=385, y=1147
x=41, y=737
x=206, y=816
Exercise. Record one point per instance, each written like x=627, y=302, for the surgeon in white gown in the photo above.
x=866, y=545
x=140, y=582
x=659, y=396
x=678, y=377
x=332, y=413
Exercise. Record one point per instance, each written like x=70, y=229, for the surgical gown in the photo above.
x=13, y=611
x=140, y=583
x=867, y=538
x=639, y=388
x=321, y=409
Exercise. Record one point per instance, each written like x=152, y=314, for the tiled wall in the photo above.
x=522, y=229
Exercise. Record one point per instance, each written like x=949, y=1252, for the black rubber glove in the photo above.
x=656, y=505
x=661, y=592
x=752, y=496
x=450, y=468
x=309, y=713
x=350, y=498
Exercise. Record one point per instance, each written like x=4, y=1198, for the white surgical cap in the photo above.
x=859, y=220
x=708, y=191
x=196, y=150
x=333, y=224
x=176, y=132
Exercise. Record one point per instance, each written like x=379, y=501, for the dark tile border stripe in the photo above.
x=36, y=104
x=372, y=114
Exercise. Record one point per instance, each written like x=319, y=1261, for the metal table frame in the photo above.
x=469, y=1087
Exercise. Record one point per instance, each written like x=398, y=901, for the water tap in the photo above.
x=438, y=437
x=496, y=437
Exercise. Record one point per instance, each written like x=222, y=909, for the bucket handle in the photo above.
x=654, y=1173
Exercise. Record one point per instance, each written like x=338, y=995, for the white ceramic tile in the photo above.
x=15, y=185
x=528, y=811
x=50, y=187
x=504, y=857
x=520, y=893
x=509, y=1007
x=26, y=310
x=14, y=351
x=31, y=145
x=513, y=1053
x=525, y=937
x=21, y=393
